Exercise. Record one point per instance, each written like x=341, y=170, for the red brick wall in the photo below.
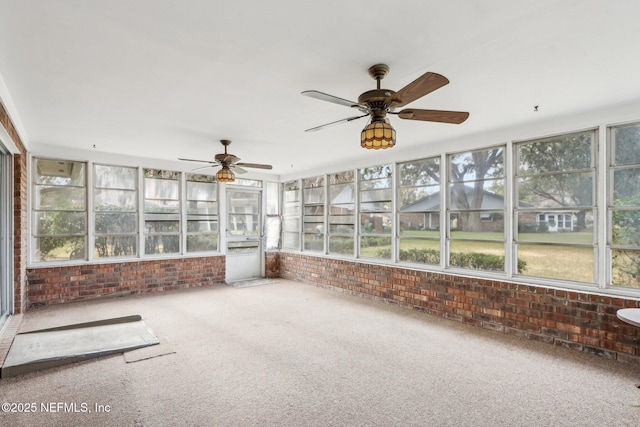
x=576, y=320
x=272, y=264
x=20, y=213
x=57, y=285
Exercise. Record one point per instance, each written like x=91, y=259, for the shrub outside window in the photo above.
x=476, y=210
x=342, y=213
x=313, y=217
x=60, y=211
x=161, y=212
x=624, y=206
x=419, y=211
x=115, y=206
x=202, y=213
x=291, y=215
x=555, y=208
x=376, y=215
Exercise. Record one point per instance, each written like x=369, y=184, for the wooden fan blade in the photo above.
x=418, y=88
x=455, y=117
x=254, y=165
x=335, y=123
x=230, y=158
x=201, y=161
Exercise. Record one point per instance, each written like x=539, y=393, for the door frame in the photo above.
x=6, y=234
x=231, y=257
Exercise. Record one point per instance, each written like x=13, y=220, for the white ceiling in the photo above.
x=168, y=79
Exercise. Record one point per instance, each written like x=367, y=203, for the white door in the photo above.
x=244, y=234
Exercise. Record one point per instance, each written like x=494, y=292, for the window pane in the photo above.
x=341, y=245
x=420, y=173
x=556, y=226
x=115, y=246
x=625, y=268
x=202, y=242
x=108, y=223
x=60, y=223
x=202, y=208
x=479, y=255
x=162, y=189
x=291, y=215
x=168, y=244
x=477, y=225
x=202, y=226
x=342, y=193
x=273, y=198
x=115, y=200
x=243, y=224
x=342, y=219
x=290, y=240
x=375, y=246
x=291, y=224
x=477, y=165
x=627, y=145
x=487, y=194
x=59, y=198
x=120, y=177
x=203, y=191
x=375, y=223
x=60, y=173
x=625, y=227
x=58, y=248
x=556, y=190
x=557, y=154
x=423, y=251
x=420, y=224
x=161, y=226
x=558, y=261
x=626, y=187
x=342, y=177
x=161, y=206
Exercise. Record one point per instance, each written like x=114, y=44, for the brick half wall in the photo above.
x=578, y=321
x=58, y=285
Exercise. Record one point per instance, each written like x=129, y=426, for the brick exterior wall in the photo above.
x=578, y=321
x=20, y=185
x=272, y=265
x=58, y=285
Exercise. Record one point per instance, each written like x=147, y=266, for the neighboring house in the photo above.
x=424, y=214
x=557, y=220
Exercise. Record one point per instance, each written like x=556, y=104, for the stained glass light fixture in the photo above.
x=379, y=134
x=225, y=175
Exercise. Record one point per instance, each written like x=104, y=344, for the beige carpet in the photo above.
x=290, y=354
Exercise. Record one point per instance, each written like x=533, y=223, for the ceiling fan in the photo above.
x=379, y=102
x=229, y=163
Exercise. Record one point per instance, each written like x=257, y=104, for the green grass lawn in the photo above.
x=554, y=261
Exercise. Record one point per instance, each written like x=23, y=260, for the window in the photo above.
x=202, y=213
x=291, y=215
x=556, y=176
x=375, y=211
x=313, y=220
x=60, y=211
x=161, y=212
x=624, y=206
x=476, y=190
x=419, y=211
x=115, y=202
x=342, y=213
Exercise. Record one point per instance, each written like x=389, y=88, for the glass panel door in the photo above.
x=244, y=234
